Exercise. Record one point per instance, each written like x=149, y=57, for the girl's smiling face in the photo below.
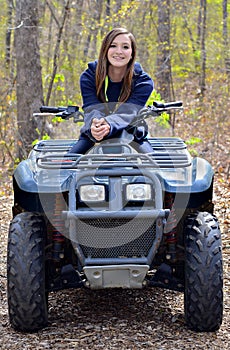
x=120, y=51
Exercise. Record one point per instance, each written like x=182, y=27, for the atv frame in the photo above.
x=114, y=218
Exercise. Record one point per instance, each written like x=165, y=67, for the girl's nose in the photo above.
x=119, y=49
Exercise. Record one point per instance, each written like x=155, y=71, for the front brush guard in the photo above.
x=115, y=211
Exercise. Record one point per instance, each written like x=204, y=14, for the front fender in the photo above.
x=195, y=178
x=30, y=178
x=25, y=176
x=202, y=175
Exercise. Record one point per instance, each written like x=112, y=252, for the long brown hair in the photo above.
x=102, y=65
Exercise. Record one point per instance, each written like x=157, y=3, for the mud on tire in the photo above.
x=27, y=298
x=203, y=298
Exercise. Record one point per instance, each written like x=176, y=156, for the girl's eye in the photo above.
x=124, y=47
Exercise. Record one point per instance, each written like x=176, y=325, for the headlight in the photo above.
x=92, y=193
x=138, y=192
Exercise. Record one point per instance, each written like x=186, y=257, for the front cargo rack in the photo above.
x=53, y=146
x=167, y=153
x=167, y=143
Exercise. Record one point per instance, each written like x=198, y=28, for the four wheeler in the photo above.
x=114, y=218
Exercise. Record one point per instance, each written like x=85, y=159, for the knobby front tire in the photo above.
x=27, y=298
x=203, y=298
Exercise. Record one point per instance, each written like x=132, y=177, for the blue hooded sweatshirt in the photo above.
x=119, y=117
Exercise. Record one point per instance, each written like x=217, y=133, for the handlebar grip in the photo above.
x=48, y=109
x=167, y=105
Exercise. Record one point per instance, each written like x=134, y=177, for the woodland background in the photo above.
x=184, y=46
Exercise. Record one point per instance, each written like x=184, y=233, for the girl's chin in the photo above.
x=116, y=63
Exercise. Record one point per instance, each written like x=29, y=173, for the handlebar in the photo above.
x=169, y=105
x=73, y=111
x=62, y=111
x=54, y=110
x=157, y=109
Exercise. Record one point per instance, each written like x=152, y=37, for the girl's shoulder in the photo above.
x=139, y=73
x=92, y=66
x=89, y=72
x=138, y=70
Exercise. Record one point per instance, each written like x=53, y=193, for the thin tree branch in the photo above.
x=52, y=13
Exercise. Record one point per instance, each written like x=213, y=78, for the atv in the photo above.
x=114, y=218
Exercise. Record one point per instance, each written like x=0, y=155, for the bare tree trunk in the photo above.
x=107, y=11
x=29, y=79
x=53, y=19
x=203, y=5
x=226, y=41
x=97, y=19
x=8, y=33
x=163, y=74
x=199, y=24
x=77, y=28
x=91, y=42
x=195, y=43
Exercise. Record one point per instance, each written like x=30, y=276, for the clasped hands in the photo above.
x=99, y=128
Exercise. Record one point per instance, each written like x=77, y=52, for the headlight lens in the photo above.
x=138, y=192
x=92, y=193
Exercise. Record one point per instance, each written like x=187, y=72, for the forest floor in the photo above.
x=121, y=319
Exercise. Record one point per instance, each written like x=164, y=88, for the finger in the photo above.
x=104, y=121
x=97, y=132
x=95, y=122
x=100, y=132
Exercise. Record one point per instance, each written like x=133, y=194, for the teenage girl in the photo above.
x=114, y=88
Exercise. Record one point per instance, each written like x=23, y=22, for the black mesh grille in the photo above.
x=113, y=238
